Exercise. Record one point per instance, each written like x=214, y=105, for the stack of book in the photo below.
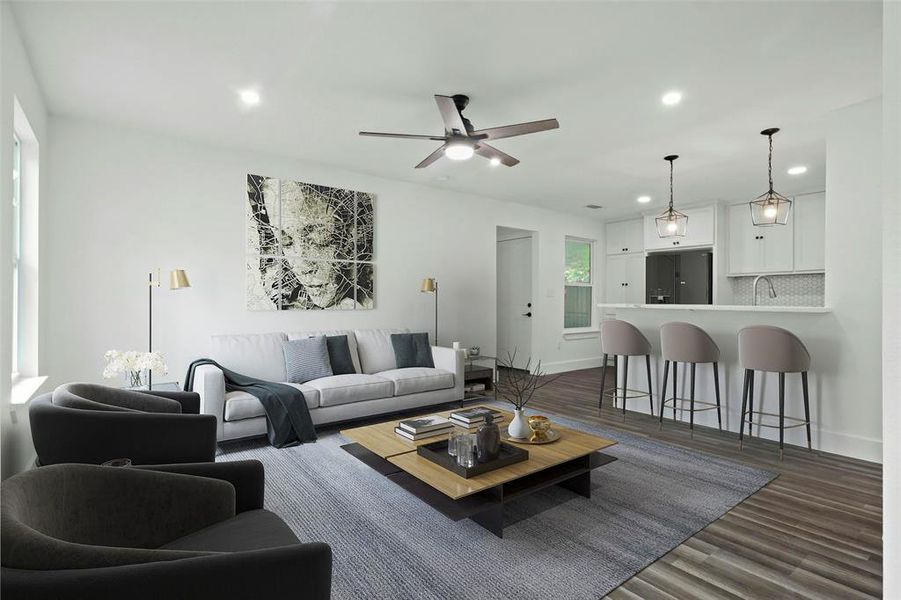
x=472, y=418
x=423, y=427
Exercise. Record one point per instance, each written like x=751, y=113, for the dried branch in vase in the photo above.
x=516, y=385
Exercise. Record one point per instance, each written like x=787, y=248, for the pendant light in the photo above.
x=671, y=223
x=771, y=208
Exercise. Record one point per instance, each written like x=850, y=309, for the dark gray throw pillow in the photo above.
x=339, y=355
x=412, y=350
x=306, y=359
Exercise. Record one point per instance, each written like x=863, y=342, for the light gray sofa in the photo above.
x=377, y=387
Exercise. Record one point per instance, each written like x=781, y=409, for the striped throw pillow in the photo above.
x=307, y=359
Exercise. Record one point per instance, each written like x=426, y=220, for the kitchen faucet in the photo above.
x=769, y=281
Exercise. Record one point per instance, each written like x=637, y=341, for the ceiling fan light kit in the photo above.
x=462, y=140
x=770, y=208
x=671, y=222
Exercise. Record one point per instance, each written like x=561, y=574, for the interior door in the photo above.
x=514, y=299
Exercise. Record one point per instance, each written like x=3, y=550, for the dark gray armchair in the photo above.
x=175, y=531
x=87, y=423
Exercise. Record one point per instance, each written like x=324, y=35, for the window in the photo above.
x=578, y=283
x=17, y=251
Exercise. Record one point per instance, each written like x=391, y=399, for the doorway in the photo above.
x=515, y=261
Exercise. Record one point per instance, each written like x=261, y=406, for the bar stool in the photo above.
x=621, y=338
x=687, y=343
x=776, y=350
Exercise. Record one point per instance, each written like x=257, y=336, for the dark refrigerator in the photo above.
x=679, y=277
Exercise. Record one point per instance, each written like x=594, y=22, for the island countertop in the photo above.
x=722, y=308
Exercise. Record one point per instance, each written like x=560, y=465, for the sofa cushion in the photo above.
x=351, y=342
x=375, y=349
x=412, y=350
x=241, y=405
x=344, y=389
x=306, y=359
x=251, y=530
x=255, y=355
x=339, y=355
x=418, y=379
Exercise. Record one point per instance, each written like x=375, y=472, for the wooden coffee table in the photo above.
x=567, y=462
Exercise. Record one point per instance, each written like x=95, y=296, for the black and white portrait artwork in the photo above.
x=309, y=247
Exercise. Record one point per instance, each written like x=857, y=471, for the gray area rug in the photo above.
x=557, y=544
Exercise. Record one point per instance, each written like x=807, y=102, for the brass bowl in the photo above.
x=539, y=426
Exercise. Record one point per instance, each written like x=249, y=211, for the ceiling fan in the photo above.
x=461, y=140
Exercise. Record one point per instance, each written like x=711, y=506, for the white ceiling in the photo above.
x=328, y=70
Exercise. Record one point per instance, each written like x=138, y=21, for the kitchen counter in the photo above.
x=722, y=308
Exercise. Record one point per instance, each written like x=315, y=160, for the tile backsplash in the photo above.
x=807, y=289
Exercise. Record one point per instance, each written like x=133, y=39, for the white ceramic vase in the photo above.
x=519, y=426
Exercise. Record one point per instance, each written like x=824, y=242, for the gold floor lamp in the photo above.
x=178, y=279
x=430, y=286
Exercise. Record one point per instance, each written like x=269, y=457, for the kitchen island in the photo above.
x=832, y=413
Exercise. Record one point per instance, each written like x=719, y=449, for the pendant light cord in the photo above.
x=771, y=162
x=671, y=185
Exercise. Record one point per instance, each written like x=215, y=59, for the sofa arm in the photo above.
x=209, y=383
x=453, y=361
x=247, y=476
x=302, y=571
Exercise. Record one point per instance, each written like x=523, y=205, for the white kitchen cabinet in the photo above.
x=625, y=279
x=699, y=231
x=624, y=237
x=755, y=249
x=810, y=232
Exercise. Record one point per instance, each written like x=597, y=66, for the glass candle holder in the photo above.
x=466, y=451
x=452, y=439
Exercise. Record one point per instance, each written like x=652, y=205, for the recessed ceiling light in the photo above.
x=495, y=161
x=672, y=98
x=459, y=151
x=250, y=97
x=798, y=170
x=644, y=199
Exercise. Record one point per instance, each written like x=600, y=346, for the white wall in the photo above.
x=124, y=202
x=846, y=364
x=17, y=82
x=891, y=296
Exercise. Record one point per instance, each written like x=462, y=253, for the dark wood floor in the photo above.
x=813, y=532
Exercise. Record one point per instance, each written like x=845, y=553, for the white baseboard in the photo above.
x=571, y=365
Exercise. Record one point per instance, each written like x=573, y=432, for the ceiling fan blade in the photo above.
x=404, y=136
x=490, y=152
x=432, y=157
x=505, y=131
x=450, y=115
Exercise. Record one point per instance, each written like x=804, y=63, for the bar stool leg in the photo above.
x=647, y=360
x=781, y=412
x=751, y=407
x=691, y=406
x=625, y=383
x=675, y=375
x=603, y=381
x=615, y=378
x=663, y=390
x=806, y=407
x=744, y=405
x=716, y=386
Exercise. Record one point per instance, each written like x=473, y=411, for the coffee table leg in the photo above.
x=491, y=519
x=580, y=484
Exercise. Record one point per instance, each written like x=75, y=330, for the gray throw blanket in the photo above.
x=288, y=421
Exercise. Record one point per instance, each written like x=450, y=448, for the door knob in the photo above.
x=528, y=314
